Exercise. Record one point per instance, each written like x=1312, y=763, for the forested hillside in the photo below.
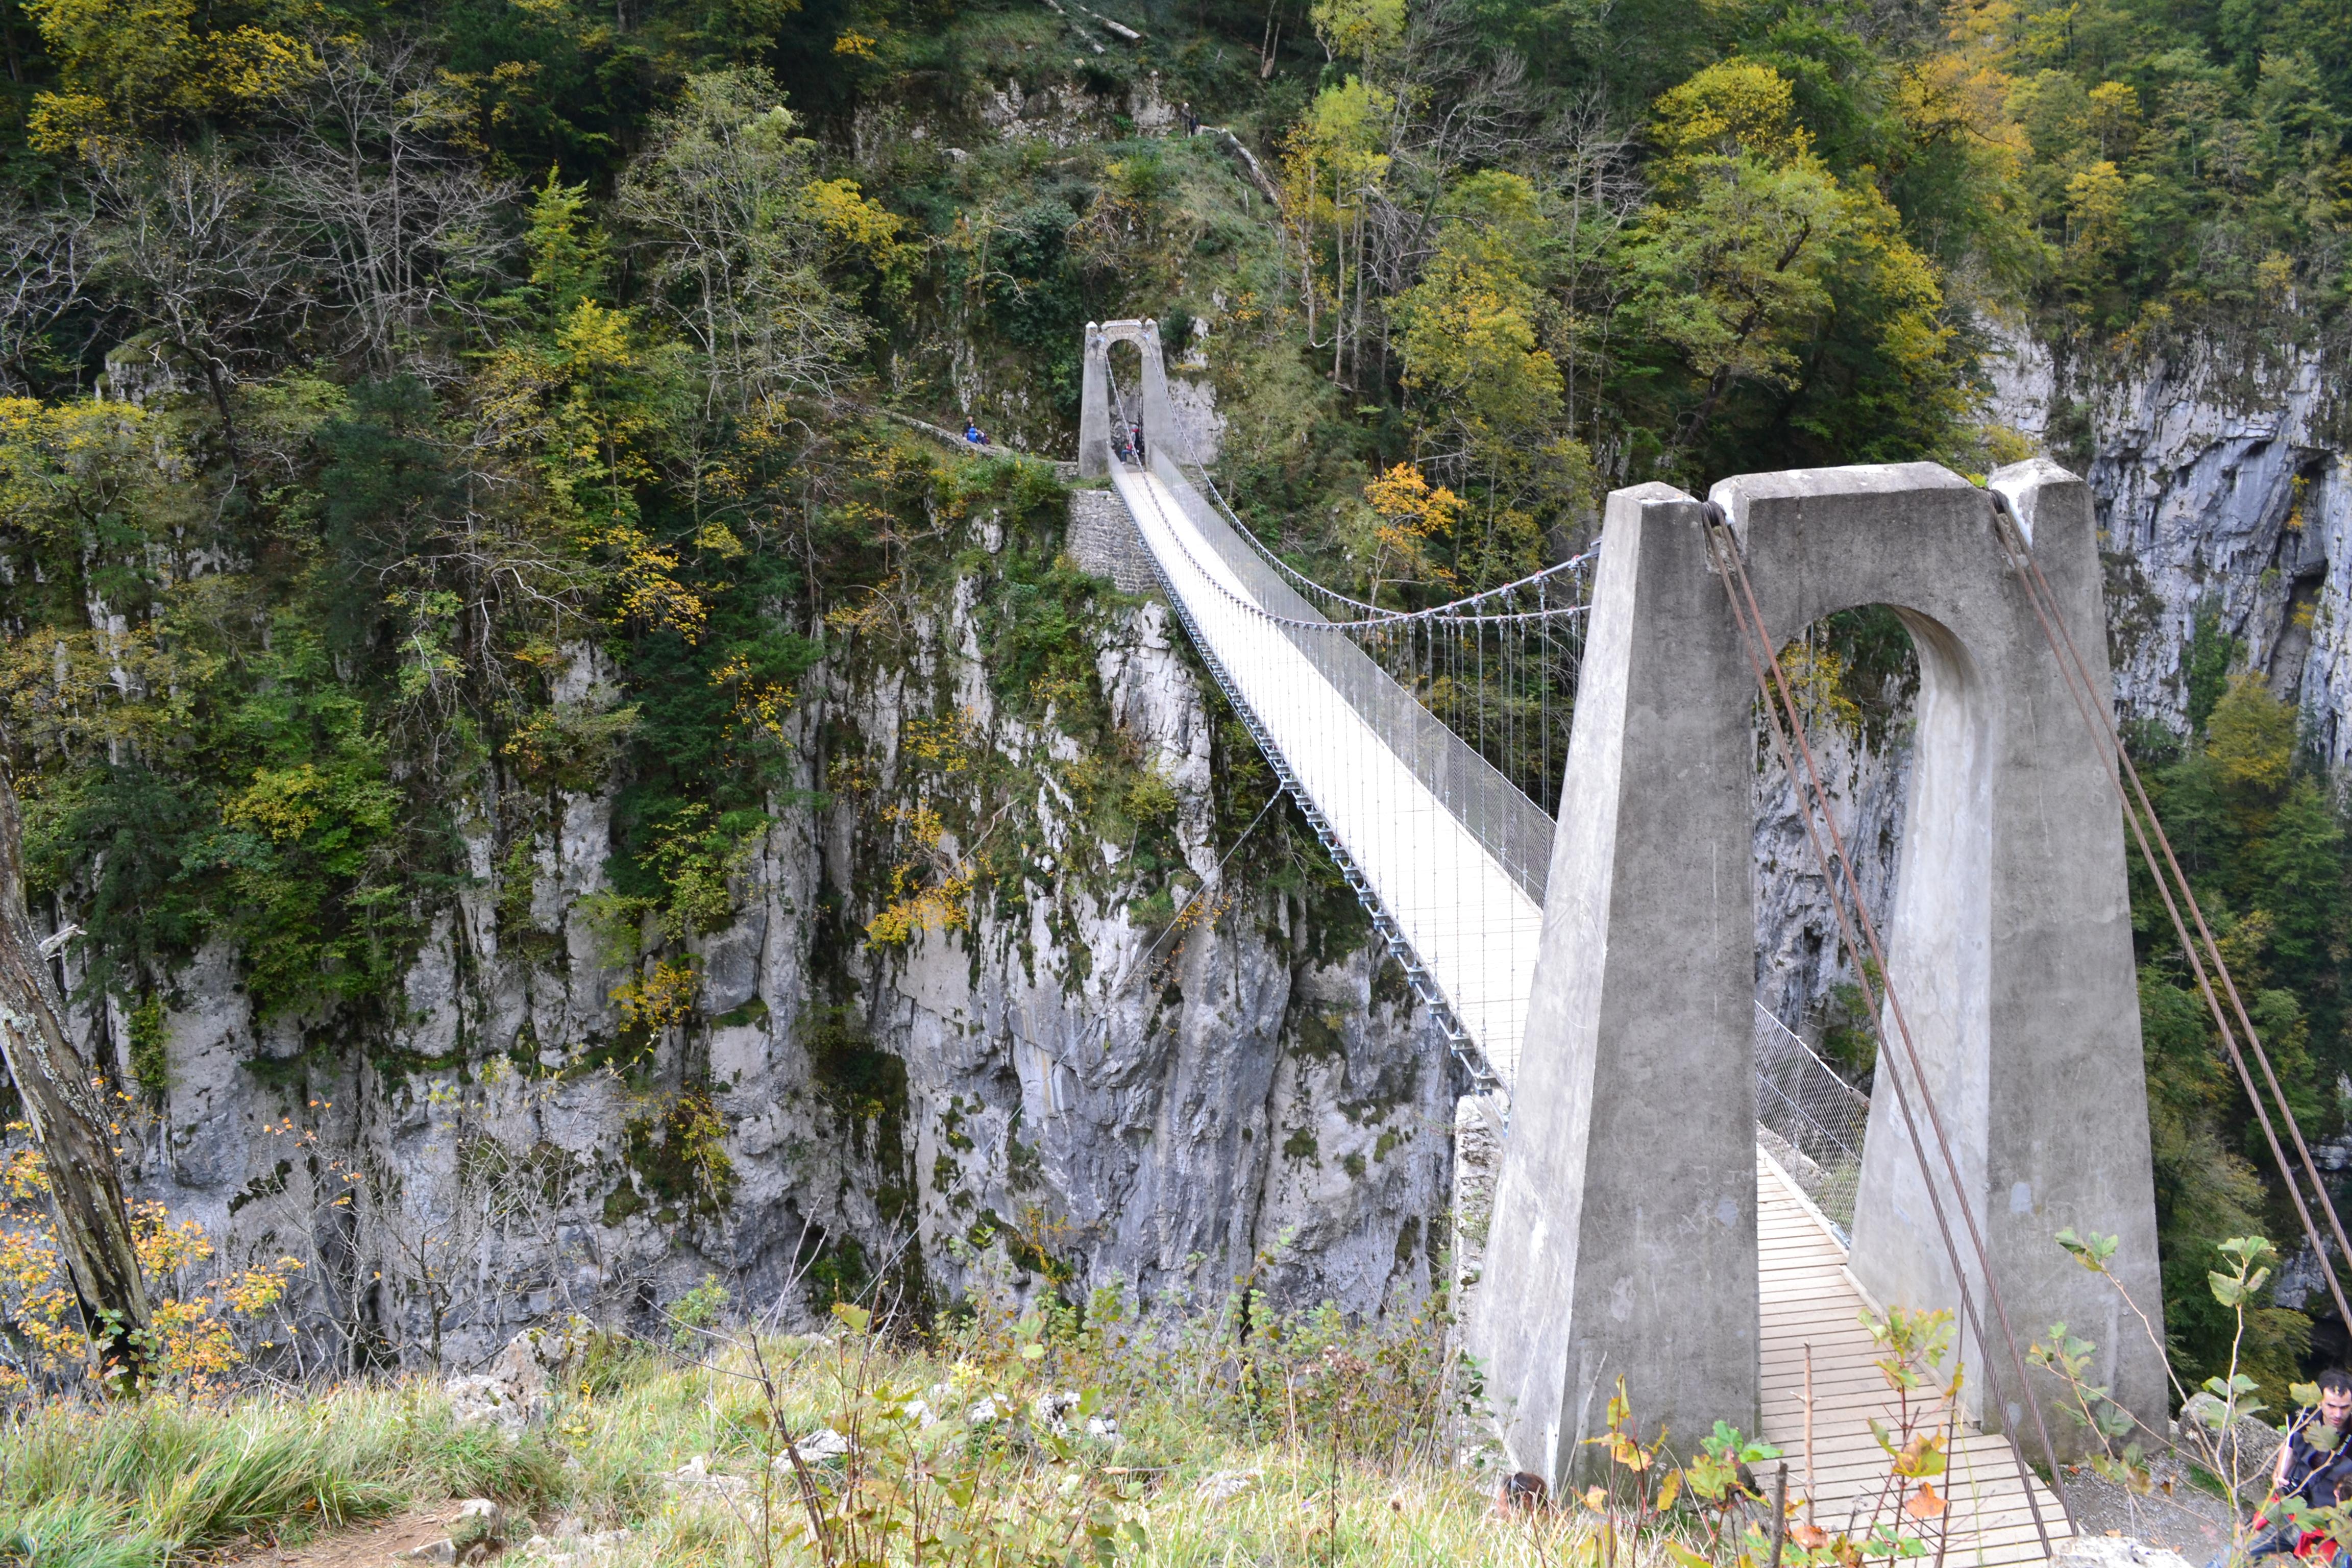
x=423, y=416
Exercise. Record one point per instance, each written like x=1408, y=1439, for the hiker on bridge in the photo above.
x=2314, y=1466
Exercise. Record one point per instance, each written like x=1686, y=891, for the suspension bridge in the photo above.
x=1543, y=795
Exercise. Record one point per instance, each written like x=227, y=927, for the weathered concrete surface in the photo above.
x=1094, y=406
x=2009, y=940
x=1161, y=432
x=1162, y=429
x=1622, y=1241
x=1627, y=1190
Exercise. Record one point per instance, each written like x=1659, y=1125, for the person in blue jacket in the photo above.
x=2314, y=1466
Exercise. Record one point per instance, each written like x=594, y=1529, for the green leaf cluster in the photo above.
x=2264, y=845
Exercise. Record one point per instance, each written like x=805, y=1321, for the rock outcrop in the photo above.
x=1072, y=1090
x=1075, y=1089
x=2218, y=473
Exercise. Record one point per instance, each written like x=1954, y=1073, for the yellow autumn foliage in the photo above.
x=1413, y=518
x=126, y=65
x=203, y=1317
x=852, y=220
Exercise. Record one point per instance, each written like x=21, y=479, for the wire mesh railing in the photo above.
x=1355, y=657
x=1808, y=1118
x=1475, y=700
x=1475, y=697
x=1498, y=667
x=1448, y=856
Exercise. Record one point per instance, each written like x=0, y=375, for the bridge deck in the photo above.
x=1470, y=924
x=1809, y=1300
x=1475, y=932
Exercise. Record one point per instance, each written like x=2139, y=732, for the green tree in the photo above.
x=1752, y=245
x=741, y=234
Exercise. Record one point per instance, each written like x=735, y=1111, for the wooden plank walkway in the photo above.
x=1808, y=1298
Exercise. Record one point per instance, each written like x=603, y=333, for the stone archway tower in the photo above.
x=1622, y=1241
x=1160, y=432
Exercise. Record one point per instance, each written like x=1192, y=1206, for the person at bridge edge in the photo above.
x=2315, y=1464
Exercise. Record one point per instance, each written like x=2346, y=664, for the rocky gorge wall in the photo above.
x=1073, y=1091
x=2218, y=469
x=1067, y=1093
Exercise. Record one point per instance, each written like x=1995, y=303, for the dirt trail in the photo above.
x=364, y=1546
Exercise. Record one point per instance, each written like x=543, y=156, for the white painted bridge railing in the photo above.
x=1447, y=854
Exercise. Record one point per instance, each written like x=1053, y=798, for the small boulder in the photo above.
x=572, y=1546
x=696, y=1480
x=480, y=1515
x=442, y=1551
x=481, y=1399
x=510, y=1393
x=824, y=1443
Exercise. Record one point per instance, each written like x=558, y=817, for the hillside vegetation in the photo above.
x=375, y=370
x=1003, y=1440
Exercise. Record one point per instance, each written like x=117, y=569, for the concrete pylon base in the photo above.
x=1623, y=1242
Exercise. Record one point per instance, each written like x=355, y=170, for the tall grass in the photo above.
x=130, y=1486
x=1335, y=1428
x=1242, y=1437
x=1238, y=1436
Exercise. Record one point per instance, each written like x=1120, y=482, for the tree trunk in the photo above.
x=69, y=1124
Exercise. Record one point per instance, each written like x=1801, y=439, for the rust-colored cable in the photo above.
x=2090, y=704
x=1726, y=553
x=2213, y=951
x=1935, y=1119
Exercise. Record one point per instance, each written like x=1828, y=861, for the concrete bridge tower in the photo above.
x=1623, y=1240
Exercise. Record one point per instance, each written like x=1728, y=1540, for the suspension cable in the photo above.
x=2116, y=759
x=1437, y=615
x=1458, y=609
x=1756, y=636
x=1252, y=607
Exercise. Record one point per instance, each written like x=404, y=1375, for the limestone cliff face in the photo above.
x=1066, y=1093
x=2218, y=473
x=1799, y=953
x=1062, y=1092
